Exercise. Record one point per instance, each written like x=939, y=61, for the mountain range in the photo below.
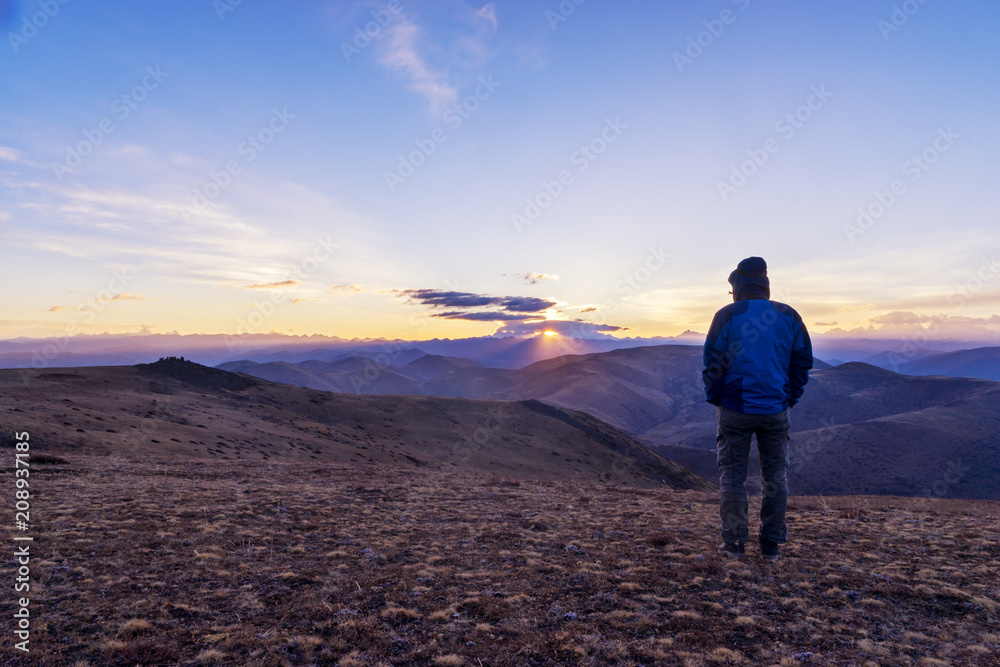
x=492, y=351
x=980, y=362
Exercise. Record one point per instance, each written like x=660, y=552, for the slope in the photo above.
x=179, y=410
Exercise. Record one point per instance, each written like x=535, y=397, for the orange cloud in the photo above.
x=128, y=296
x=340, y=289
x=283, y=283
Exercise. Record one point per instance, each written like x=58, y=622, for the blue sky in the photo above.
x=655, y=140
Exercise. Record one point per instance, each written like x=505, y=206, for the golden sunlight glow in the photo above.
x=550, y=333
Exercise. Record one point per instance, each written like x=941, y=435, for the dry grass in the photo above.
x=135, y=627
x=309, y=564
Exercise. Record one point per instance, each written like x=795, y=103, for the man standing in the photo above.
x=757, y=358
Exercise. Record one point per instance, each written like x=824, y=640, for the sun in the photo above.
x=550, y=333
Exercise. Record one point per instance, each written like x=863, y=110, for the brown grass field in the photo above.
x=242, y=563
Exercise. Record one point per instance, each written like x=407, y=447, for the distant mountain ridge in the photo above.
x=215, y=349
x=980, y=362
x=493, y=351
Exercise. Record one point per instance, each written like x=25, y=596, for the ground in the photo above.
x=301, y=564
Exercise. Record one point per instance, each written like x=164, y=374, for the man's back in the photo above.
x=757, y=357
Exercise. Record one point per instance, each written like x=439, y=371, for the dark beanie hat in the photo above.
x=749, y=280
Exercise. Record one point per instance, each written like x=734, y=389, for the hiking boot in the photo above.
x=769, y=549
x=733, y=549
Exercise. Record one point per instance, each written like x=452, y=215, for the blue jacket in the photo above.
x=757, y=354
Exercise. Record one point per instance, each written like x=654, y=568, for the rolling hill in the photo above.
x=175, y=410
x=352, y=375
x=858, y=429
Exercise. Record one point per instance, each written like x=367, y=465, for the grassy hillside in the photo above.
x=858, y=429
x=181, y=411
x=248, y=563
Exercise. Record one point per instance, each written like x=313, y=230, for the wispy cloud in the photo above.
x=900, y=317
x=345, y=289
x=488, y=13
x=257, y=235
x=531, y=55
x=128, y=296
x=901, y=325
x=402, y=57
x=9, y=154
x=532, y=278
x=455, y=45
x=104, y=298
x=274, y=285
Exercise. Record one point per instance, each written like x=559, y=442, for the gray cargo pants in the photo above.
x=733, y=451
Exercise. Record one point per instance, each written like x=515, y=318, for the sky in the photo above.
x=412, y=170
